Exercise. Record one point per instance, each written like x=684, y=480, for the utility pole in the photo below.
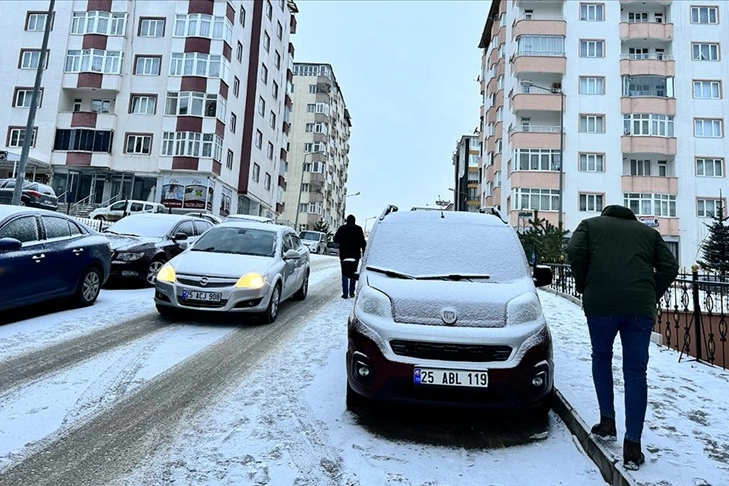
x=28, y=138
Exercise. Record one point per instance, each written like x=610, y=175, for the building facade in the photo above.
x=319, y=149
x=467, y=174
x=181, y=102
x=626, y=106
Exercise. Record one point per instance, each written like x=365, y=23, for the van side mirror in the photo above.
x=542, y=275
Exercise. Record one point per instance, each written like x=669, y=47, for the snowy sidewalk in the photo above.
x=686, y=434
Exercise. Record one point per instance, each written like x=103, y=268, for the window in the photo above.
x=707, y=208
x=647, y=85
x=313, y=88
x=269, y=151
x=24, y=229
x=151, y=27
x=309, y=127
x=540, y=45
x=242, y=16
x=264, y=74
x=536, y=159
x=706, y=167
x=707, y=89
x=267, y=181
x=259, y=139
x=30, y=58
x=277, y=60
x=592, y=85
x=537, y=199
x=16, y=137
x=93, y=60
x=640, y=167
x=592, y=124
x=24, y=96
x=704, y=15
x=272, y=119
x=279, y=31
x=233, y=122
x=192, y=144
x=261, y=106
x=274, y=90
x=266, y=41
x=195, y=103
x=229, y=160
x=269, y=9
x=104, y=23
x=57, y=228
x=77, y=104
x=651, y=204
x=143, y=104
x=147, y=66
x=138, y=144
x=639, y=53
x=84, y=140
x=236, y=86
x=203, y=25
x=591, y=202
x=662, y=168
x=648, y=125
x=198, y=64
x=593, y=12
x=239, y=52
x=256, y=175
x=101, y=106
x=592, y=163
x=637, y=17
x=36, y=22
x=705, y=52
x=708, y=127
x=592, y=48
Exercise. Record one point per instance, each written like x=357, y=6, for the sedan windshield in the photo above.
x=310, y=235
x=146, y=227
x=240, y=241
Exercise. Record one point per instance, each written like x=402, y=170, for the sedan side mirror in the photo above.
x=542, y=275
x=291, y=255
x=179, y=237
x=10, y=244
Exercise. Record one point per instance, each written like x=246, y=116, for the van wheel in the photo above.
x=271, y=313
x=301, y=293
x=153, y=270
x=89, y=287
x=355, y=402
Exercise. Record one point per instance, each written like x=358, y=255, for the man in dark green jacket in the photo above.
x=622, y=268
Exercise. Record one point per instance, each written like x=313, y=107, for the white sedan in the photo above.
x=241, y=266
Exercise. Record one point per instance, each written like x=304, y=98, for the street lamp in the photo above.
x=367, y=220
x=529, y=84
x=301, y=183
x=355, y=194
x=459, y=196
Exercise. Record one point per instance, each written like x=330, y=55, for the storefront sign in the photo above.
x=188, y=192
x=651, y=221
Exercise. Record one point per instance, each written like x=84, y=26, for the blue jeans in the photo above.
x=349, y=267
x=635, y=334
x=348, y=285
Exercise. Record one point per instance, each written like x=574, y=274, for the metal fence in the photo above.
x=691, y=315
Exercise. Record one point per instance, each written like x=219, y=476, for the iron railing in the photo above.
x=691, y=315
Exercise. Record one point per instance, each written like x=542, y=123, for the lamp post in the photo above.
x=529, y=84
x=459, y=196
x=301, y=183
x=366, y=221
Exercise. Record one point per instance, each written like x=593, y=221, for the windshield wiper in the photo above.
x=391, y=273
x=455, y=276
x=120, y=234
x=210, y=249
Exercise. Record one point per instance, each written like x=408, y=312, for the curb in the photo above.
x=613, y=474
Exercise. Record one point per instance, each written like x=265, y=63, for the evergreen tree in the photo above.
x=715, y=248
x=324, y=228
x=543, y=242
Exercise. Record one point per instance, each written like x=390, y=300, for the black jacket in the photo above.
x=620, y=265
x=351, y=241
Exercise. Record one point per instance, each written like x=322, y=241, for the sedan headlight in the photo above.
x=167, y=274
x=129, y=256
x=251, y=281
x=373, y=302
x=523, y=309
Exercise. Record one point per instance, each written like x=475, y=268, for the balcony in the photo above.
x=91, y=81
x=656, y=64
x=86, y=119
x=646, y=31
x=648, y=145
x=658, y=105
x=536, y=101
x=540, y=26
x=648, y=184
x=536, y=62
x=644, y=2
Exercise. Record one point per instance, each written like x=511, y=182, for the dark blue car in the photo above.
x=47, y=255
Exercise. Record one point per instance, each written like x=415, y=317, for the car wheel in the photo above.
x=154, y=269
x=304, y=290
x=88, y=288
x=100, y=218
x=23, y=202
x=355, y=402
x=272, y=311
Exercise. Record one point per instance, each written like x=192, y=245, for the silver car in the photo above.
x=244, y=267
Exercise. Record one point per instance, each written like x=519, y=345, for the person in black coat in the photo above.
x=351, y=247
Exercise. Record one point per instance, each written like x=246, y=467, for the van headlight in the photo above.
x=523, y=309
x=373, y=302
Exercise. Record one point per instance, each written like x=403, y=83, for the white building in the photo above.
x=639, y=85
x=319, y=156
x=183, y=102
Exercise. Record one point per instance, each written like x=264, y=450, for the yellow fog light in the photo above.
x=251, y=281
x=166, y=274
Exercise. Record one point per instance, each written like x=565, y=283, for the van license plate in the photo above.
x=203, y=296
x=462, y=378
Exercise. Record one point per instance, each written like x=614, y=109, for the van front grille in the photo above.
x=451, y=352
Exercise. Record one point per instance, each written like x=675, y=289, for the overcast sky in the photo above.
x=408, y=72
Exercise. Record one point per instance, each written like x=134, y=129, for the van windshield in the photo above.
x=310, y=235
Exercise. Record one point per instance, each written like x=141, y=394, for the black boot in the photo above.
x=605, y=430
x=632, y=456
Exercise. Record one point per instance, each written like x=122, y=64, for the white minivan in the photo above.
x=315, y=241
x=119, y=209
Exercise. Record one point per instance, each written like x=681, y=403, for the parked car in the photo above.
x=247, y=217
x=46, y=255
x=332, y=248
x=34, y=194
x=242, y=267
x=143, y=243
x=120, y=209
x=315, y=241
x=437, y=321
x=205, y=215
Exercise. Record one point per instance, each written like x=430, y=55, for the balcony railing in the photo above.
x=657, y=56
x=535, y=128
x=532, y=52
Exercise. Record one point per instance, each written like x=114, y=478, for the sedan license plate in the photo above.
x=203, y=296
x=462, y=378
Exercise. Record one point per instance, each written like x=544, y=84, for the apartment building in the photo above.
x=467, y=174
x=319, y=149
x=181, y=102
x=593, y=103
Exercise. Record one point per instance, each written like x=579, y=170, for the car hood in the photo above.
x=125, y=243
x=220, y=264
x=476, y=304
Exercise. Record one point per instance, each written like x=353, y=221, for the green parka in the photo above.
x=620, y=265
